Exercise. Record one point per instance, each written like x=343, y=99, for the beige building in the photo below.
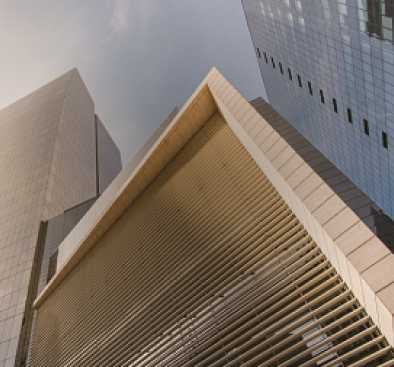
x=48, y=163
x=219, y=245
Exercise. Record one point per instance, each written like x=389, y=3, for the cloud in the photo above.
x=119, y=18
x=138, y=58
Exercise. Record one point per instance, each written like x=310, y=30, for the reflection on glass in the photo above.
x=290, y=18
x=344, y=48
x=376, y=18
x=262, y=8
x=301, y=22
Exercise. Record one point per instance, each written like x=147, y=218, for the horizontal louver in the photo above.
x=208, y=267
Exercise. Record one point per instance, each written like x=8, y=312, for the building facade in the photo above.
x=328, y=68
x=220, y=245
x=48, y=163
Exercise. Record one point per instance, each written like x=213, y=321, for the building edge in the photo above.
x=332, y=224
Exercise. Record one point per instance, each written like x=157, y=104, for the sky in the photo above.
x=138, y=58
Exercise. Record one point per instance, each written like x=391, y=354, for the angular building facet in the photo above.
x=48, y=163
x=328, y=68
x=220, y=245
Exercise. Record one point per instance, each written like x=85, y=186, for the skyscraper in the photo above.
x=328, y=67
x=221, y=244
x=48, y=163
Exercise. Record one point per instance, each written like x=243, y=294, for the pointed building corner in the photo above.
x=208, y=252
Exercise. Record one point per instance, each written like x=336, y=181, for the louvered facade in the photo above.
x=209, y=254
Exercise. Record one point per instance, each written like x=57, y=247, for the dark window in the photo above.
x=266, y=58
x=321, y=96
x=280, y=67
x=349, y=115
x=299, y=81
x=310, y=88
x=380, y=16
x=385, y=140
x=258, y=53
x=273, y=62
x=290, y=76
x=334, y=102
x=366, y=127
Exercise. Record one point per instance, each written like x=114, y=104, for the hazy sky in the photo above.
x=138, y=58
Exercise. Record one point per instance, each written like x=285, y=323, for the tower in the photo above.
x=48, y=163
x=219, y=245
x=328, y=67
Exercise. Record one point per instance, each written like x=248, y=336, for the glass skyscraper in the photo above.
x=51, y=142
x=328, y=67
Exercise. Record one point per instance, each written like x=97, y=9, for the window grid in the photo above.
x=322, y=98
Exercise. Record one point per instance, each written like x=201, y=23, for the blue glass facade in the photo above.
x=328, y=67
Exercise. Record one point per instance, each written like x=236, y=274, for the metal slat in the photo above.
x=208, y=267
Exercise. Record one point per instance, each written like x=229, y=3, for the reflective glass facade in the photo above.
x=48, y=163
x=328, y=67
x=108, y=157
x=57, y=230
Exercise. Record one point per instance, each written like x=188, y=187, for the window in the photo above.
x=258, y=53
x=281, y=68
x=321, y=96
x=299, y=81
x=385, y=140
x=349, y=115
x=273, y=62
x=290, y=76
x=366, y=127
x=265, y=56
x=334, y=102
x=310, y=88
